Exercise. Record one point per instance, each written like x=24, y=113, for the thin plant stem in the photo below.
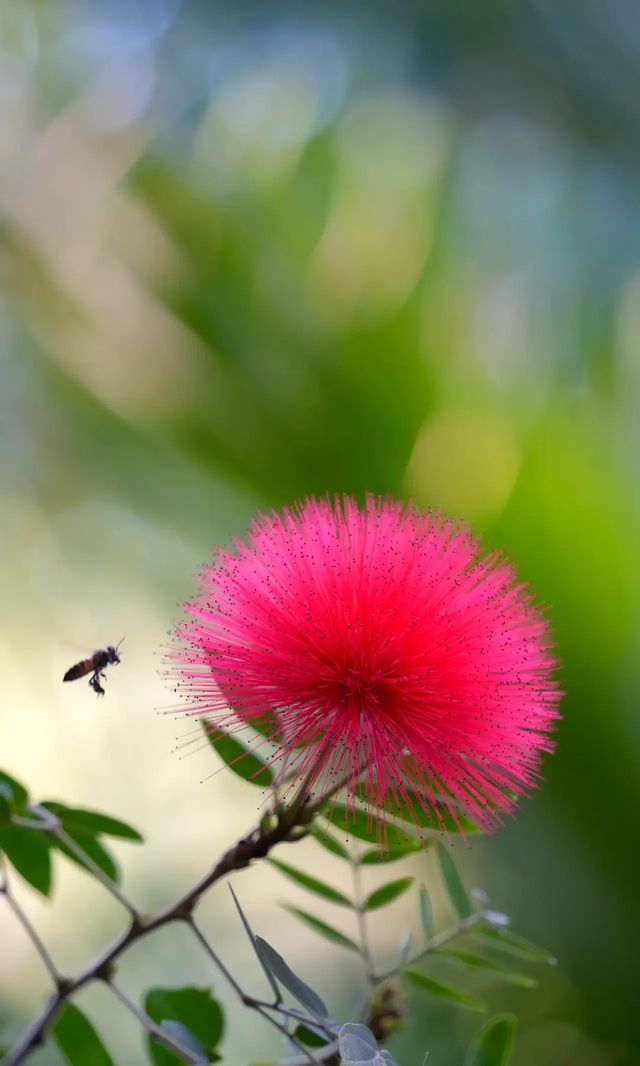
x=99, y=874
x=51, y=824
x=436, y=942
x=35, y=823
x=35, y=1033
x=217, y=961
x=323, y=1054
x=361, y=918
x=48, y=962
x=305, y=1054
x=249, y=1001
x=287, y=1012
x=155, y=1030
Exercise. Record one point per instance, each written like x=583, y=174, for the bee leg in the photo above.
x=94, y=681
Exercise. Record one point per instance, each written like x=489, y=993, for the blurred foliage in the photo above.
x=249, y=254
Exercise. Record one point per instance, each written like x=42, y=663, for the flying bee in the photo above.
x=94, y=665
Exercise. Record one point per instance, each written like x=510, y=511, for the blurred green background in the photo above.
x=250, y=252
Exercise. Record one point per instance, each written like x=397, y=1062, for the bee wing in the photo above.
x=72, y=648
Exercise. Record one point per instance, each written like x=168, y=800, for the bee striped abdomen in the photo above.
x=79, y=670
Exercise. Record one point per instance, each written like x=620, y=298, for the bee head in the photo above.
x=113, y=654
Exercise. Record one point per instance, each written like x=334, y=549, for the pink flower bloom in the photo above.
x=379, y=638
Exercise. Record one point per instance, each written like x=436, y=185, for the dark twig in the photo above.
x=254, y=846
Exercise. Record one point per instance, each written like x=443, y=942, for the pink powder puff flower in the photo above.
x=377, y=638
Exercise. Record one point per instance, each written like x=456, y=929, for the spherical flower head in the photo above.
x=386, y=648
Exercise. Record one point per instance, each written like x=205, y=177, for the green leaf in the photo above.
x=442, y=991
x=309, y=1036
x=426, y=920
x=179, y=1032
x=77, y=1040
x=29, y=850
x=189, y=1015
x=312, y=883
x=492, y=1045
x=494, y=969
x=455, y=889
x=93, y=849
x=512, y=944
x=249, y=931
x=268, y=725
x=14, y=792
x=237, y=757
x=435, y=816
x=387, y=893
x=92, y=822
x=329, y=842
x=379, y=856
x=322, y=928
x=355, y=823
x=282, y=972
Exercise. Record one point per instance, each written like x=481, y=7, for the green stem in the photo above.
x=361, y=918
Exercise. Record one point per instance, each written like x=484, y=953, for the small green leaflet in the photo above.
x=29, y=851
x=322, y=928
x=282, y=972
x=93, y=849
x=329, y=842
x=237, y=756
x=248, y=930
x=512, y=944
x=163, y=1056
x=455, y=889
x=492, y=969
x=309, y=1036
x=355, y=822
x=387, y=893
x=312, y=883
x=77, y=1040
x=443, y=991
x=436, y=816
x=268, y=725
x=15, y=793
x=92, y=823
x=189, y=1015
x=379, y=856
x=426, y=921
x=404, y=947
x=492, y=1045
